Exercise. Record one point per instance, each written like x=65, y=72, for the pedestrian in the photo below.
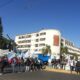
x=13, y=64
x=78, y=67
x=4, y=64
x=72, y=65
x=27, y=63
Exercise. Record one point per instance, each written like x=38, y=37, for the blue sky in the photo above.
x=26, y=16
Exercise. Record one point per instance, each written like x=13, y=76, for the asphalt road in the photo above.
x=39, y=75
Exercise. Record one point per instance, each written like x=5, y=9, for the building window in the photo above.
x=28, y=46
x=28, y=36
x=28, y=41
x=36, y=45
x=68, y=43
x=42, y=44
x=19, y=37
x=42, y=39
x=24, y=46
x=23, y=37
x=37, y=40
x=37, y=35
x=44, y=33
x=24, y=41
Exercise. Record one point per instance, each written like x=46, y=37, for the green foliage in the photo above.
x=75, y=56
x=3, y=43
x=46, y=50
x=1, y=28
x=63, y=49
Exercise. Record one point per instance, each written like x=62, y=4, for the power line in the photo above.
x=6, y=3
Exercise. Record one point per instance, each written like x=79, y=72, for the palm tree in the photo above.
x=76, y=56
x=63, y=51
x=46, y=50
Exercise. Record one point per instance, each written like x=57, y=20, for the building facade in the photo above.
x=70, y=46
x=38, y=40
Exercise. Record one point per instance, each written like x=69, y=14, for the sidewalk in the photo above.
x=59, y=70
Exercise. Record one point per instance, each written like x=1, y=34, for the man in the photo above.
x=78, y=67
x=72, y=65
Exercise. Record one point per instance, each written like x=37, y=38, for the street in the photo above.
x=39, y=75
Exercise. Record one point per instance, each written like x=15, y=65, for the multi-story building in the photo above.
x=38, y=40
x=71, y=47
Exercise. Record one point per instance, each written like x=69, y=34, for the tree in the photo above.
x=1, y=36
x=63, y=51
x=75, y=56
x=1, y=28
x=12, y=44
x=4, y=42
x=46, y=50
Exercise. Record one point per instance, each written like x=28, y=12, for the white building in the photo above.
x=71, y=47
x=38, y=40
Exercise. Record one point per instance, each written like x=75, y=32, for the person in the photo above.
x=49, y=63
x=13, y=64
x=78, y=67
x=27, y=63
x=4, y=64
x=72, y=65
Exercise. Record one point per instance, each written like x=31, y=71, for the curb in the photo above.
x=59, y=70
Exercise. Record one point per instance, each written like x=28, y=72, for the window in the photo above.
x=37, y=40
x=28, y=46
x=24, y=41
x=28, y=36
x=36, y=45
x=37, y=35
x=24, y=46
x=44, y=33
x=42, y=44
x=28, y=41
x=19, y=37
x=42, y=39
x=23, y=36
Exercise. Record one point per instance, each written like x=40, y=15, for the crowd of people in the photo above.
x=20, y=64
x=72, y=65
